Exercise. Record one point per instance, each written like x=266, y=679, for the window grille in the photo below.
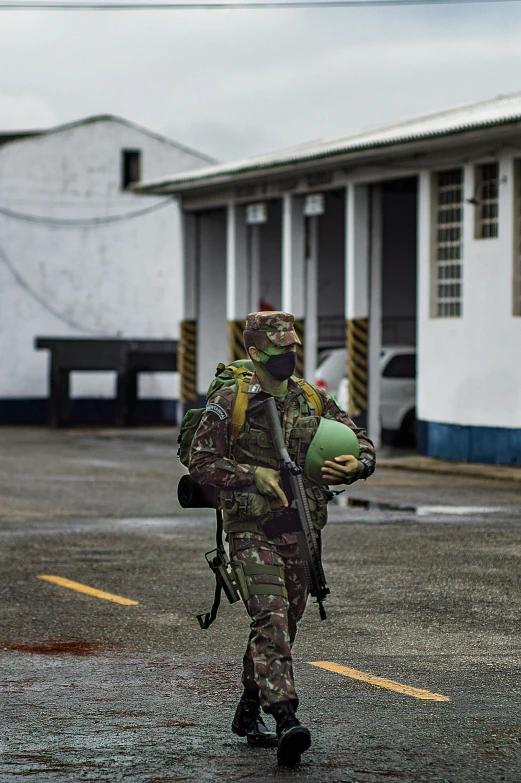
x=449, y=244
x=487, y=201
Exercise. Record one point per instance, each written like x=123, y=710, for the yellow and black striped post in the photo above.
x=236, y=345
x=356, y=340
x=299, y=328
x=187, y=361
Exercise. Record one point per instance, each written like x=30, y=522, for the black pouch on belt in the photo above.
x=282, y=522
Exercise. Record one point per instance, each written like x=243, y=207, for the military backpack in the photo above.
x=238, y=374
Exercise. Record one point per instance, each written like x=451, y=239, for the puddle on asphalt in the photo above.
x=420, y=510
x=162, y=522
x=79, y=647
x=74, y=525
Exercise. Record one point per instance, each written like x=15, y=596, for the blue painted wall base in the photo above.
x=489, y=445
x=86, y=411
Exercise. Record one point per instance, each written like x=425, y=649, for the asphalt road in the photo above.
x=425, y=578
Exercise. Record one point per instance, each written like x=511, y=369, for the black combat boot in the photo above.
x=248, y=722
x=294, y=739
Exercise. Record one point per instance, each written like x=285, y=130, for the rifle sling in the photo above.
x=207, y=618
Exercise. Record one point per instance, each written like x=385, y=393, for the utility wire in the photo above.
x=220, y=6
x=81, y=222
x=4, y=258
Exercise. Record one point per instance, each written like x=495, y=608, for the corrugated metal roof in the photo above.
x=498, y=111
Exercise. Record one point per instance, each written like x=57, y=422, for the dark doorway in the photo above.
x=399, y=261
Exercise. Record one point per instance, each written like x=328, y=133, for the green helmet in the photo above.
x=332, y=439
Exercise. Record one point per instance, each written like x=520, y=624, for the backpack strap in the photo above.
x=313, y=397
x=240, y=403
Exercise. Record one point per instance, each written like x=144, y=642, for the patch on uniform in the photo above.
x=254, y=388
x=212, y=407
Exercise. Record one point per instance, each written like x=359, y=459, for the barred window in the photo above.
x=517, y=247
x=487, y=201
x=448, y=244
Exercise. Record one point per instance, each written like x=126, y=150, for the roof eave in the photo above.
x=362, y=154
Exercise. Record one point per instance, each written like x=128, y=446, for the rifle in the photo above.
x=293, y=486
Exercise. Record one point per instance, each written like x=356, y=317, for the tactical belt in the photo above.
x=282, y=522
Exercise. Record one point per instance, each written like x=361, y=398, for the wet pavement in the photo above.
x=425, y=584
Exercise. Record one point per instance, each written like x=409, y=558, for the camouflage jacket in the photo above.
x=245, y=510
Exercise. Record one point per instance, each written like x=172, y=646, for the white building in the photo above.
x=80, y=255
x=411, y=232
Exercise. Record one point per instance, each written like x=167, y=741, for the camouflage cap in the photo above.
x=279, y=327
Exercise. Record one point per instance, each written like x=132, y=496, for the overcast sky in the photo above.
x=237, y=83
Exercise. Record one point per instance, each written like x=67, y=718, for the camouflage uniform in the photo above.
x=274, y=618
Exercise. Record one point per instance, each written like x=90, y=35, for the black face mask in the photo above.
x=281, y=365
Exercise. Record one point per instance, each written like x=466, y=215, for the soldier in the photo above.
x=251, y=495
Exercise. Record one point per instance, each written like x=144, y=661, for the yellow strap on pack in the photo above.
x=240, y=404
x=312, y=395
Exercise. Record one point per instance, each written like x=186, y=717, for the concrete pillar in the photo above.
x=236, y=279
x=293, y=256
x=254, y=267
x=231, y=261
x=212, y=328
x=187, y=346
x=311, y=292
x=293, y=267
x=357, y=297
x=374, y=429
x=191, y=264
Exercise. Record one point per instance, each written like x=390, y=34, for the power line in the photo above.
x=4, y=258
x=220, y=6
x=81, y=222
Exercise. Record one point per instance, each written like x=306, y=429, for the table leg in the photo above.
x=59, y=401
x=122, y=397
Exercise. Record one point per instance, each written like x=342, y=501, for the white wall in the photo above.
x=115, y=279
x=212, y=327
x=470, y=367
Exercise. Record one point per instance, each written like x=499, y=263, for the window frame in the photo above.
x=486, y=216
x=447, y=243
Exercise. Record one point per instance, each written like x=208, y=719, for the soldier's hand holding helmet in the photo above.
x=343, y=470
x=332, y=454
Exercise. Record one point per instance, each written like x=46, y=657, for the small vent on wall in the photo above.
x=130, y=167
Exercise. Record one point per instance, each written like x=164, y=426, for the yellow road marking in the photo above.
x=381, y=682
x=59, y=580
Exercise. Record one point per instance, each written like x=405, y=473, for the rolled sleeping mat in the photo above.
x=332, y=439
x=190, y=494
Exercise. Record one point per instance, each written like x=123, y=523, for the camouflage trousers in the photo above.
x=267, y=663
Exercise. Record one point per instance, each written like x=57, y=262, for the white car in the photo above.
x=398, y=386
